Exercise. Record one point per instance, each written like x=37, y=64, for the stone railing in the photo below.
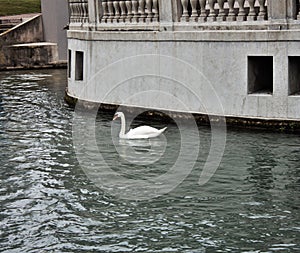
x=78, y=11
x=298, y=9
x=178, y=14
x=129, y=11
x=223, y=10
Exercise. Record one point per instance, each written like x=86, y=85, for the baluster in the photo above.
x=194, y=16
x=71, y=4
x=81, y=11
x=82, y=14
x=212, y=14
x=123, y=11
x=77, y=11
x=252, y=14
x=231, y=14
x=86, y=11
x=242, y=14
x=117, y=16
x=149, y=11
x=135, y=11
x=203, y=15
x=129, y=11
x=111, y=13
x=185, y=13
x=155, y=11
x=221, y=15
x=105, y=11
x=73, y=10
x=262, y=10
x=142, y=5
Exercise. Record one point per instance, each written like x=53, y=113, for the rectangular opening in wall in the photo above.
x=260, y=74
x=69, y=62
x=294, y=75
x=79, y=66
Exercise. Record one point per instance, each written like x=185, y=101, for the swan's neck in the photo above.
x=123, y=126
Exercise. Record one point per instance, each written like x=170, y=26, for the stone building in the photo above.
x=237, y=58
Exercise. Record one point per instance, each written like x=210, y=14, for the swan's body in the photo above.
x=141, y=132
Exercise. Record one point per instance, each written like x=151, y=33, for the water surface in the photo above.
x=49, y=204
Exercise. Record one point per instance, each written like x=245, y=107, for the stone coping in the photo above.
x=35, y=44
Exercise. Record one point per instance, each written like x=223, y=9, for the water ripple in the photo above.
x=47, y=203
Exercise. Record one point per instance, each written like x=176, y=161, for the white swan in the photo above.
x=141, y=132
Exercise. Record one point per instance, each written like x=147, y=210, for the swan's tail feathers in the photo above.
x=163, y=129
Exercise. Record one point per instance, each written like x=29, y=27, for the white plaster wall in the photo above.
x=208, y=76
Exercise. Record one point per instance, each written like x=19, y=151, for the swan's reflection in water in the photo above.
x=141, y=151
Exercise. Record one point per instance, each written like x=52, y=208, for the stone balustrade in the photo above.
x=130, y=11
x=223, y=10
x=78, y=11
x=177, y=14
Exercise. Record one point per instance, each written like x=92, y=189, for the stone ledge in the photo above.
x=34, y=44
x=215, y=36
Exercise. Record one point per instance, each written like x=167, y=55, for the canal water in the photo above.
x=50, y=203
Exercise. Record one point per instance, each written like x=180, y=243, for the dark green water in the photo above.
x=48, y=203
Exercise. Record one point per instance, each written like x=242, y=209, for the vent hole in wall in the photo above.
x=79, y=66
x=260, y=74
x=294, y=75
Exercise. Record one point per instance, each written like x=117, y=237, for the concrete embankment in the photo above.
x=22, y=45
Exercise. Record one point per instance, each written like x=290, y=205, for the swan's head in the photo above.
x=117, y=115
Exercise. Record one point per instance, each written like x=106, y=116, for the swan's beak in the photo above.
x=115, y=117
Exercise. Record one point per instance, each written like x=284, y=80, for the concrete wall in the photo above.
x=33, y=55
x=55, y=18
x=30, y=31
x=238, y=66
x=204, y=72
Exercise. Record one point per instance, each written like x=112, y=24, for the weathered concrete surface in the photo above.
x=32, y=55
x=8, y=22
x=190, y=63
x=206, y=71
x=287, y=126
x=23, y=46
x=27, y=32
x=55, y=18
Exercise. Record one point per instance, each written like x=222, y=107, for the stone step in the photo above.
x=4, y=27
x=30, y=55
x=11, y=21
x=8, y=24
